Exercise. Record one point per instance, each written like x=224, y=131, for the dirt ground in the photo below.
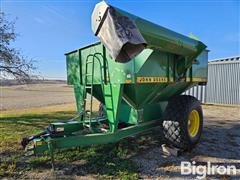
x=220, y=142
x=35, y=95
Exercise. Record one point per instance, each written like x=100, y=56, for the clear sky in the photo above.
x=48, y=29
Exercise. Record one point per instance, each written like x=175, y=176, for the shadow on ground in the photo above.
x=220, y=145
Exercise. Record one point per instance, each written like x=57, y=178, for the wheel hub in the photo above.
x=193, y=123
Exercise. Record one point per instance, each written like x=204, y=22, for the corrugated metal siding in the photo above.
x=199, y=92
x=223, y=85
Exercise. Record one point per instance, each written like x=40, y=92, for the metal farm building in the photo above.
x=223, y=85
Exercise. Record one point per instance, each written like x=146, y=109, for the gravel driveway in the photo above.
x=220, y=145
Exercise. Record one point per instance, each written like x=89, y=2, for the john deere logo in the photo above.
x=151, y=79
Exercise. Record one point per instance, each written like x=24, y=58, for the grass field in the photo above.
x=104, y=161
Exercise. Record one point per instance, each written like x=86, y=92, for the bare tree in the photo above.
x=12, y=63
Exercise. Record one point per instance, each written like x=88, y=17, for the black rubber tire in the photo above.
x=175, y=122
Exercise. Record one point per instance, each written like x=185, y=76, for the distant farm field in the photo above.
x=35, y=95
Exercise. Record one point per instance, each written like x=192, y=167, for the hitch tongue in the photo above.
x=26, y=140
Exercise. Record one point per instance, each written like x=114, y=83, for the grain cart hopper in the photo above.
x=138, y=72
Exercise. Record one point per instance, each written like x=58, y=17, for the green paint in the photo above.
x=131, y=106
x=95, y=138
x=112, y=97
x=136, y=104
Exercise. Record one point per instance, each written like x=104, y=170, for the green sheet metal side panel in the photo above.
x=113, y=97
x=73, y=68
x=78, y=91
x=147, y=113
x=116, y=72
x=140, y=95
x=200, y=69
x=158, y=64
x=149, y=63
x=98, y=75
x=127, y=114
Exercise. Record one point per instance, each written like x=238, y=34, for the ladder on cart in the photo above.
x=87, y=115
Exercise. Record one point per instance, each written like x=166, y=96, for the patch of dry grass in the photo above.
x=103, y=161
x=15, y=125
x=39, y=110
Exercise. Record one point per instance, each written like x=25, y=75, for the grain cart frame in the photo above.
x=137, y=72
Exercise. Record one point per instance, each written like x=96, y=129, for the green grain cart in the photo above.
x=138, y=72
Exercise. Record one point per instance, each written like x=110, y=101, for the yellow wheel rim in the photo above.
x=193, y=123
